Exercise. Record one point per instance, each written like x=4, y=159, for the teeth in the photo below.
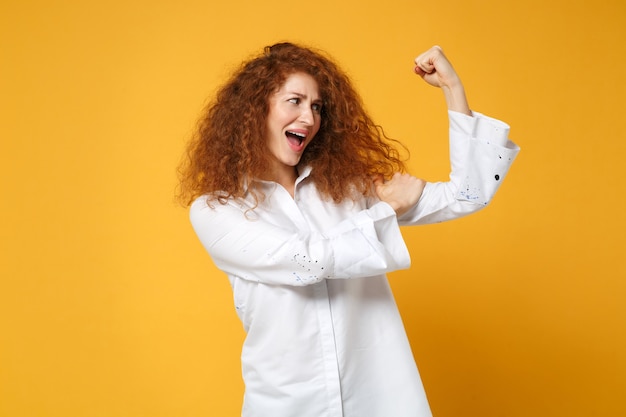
x=300, y=135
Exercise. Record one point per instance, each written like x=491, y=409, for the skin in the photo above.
x=436, y=70
x=403, y=191
x=296, y=108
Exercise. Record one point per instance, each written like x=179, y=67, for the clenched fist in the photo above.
x=436, y=70
x=401, y=192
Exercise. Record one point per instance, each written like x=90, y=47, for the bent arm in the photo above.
x=480, y=157
x=263, y=250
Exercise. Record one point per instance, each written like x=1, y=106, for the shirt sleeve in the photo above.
x=257, y=249
x=480, y=157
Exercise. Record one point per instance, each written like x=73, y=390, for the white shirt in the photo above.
x=324, y=335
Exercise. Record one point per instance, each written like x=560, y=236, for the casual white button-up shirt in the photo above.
x=324, y=335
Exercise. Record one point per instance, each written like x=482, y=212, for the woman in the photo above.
x=298, y=196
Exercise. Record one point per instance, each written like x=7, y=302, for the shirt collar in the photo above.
x=303, y=173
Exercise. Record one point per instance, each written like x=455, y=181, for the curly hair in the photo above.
x=229, y=150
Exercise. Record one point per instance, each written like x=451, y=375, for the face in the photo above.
x=293, y=120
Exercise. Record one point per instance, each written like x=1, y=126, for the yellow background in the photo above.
x=109, y=306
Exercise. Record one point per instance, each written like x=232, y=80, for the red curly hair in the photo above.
x=229, y=149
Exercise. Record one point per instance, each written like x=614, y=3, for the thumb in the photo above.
x=379, y=185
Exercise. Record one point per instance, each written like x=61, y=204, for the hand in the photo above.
x=436, y=70
x=401, y=192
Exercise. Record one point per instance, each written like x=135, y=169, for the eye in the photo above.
x=317, y=107
x=294, y=100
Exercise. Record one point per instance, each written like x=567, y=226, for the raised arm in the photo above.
x=480, y=156
x=403, y=191
x=436, y=70
x=480, y=151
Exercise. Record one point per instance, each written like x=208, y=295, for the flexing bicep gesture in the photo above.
x=403, y=191
x=436, y=70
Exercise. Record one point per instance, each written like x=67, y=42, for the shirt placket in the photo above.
x=329, y=350
x=326, y=328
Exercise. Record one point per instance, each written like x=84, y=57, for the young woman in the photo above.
x=298, y=197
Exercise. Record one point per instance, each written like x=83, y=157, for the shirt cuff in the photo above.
x=481, y=127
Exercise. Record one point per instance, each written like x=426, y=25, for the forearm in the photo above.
x=436, y=70
x=366, y=243
x=455, y=97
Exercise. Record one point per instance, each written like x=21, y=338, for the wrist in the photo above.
x=456, y=100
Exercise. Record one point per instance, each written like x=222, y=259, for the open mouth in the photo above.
x=295, y=138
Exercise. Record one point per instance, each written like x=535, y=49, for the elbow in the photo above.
x=303, y=280
x=475, y=197
x=466, y=207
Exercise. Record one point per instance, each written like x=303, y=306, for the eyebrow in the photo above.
x=304, y=96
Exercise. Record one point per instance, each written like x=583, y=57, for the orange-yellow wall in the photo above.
x=110, y=307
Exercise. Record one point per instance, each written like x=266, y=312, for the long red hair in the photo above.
x=229, y=150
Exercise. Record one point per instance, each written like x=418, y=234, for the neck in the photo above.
x=286, y=178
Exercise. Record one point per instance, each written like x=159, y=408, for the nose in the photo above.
x=307, y=117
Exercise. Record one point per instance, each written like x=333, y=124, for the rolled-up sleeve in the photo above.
x=480, y=157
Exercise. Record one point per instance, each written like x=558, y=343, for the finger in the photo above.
x=425, y=64
x=427, y=60
x=419, y=71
